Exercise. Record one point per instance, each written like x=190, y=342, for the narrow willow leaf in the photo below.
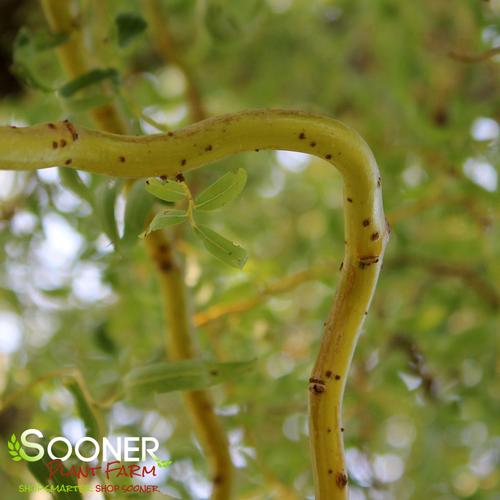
x=129, y=26
x=220, y=247
x=71, y=180
x=184, y=375
x=105, y=200
x=138, y=207
x=165, y=219
x=85, y=410
x=90, y=78
x=222, y=191
x=165, y=190
x=40, y=471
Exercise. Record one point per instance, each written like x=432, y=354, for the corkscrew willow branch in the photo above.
x=366, y=231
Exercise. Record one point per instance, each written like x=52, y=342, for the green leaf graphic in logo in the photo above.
x=161, y=463
x=16, y=451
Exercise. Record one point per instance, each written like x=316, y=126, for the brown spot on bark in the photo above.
x=257, y=150
x=341, y=479
x=165, y=265
x=183, y=162
x=52, y=126
x=71, y=129
x=379, y=182
x=349, y=200
x=208, y=148
x=316, y=385
x=342, y=429
x=162, y=177
x=328, y=430
x=214, y=372
x=328, y=373
x=62, y=143
x=341, y=266
x=328, y=156
x=337, y=377
x=170, y=134
x=312, y=144
x=366, y=222
x=54, y=145
x=375, y=237
x=330, y=471
x=122, y=159
x=180, y=177
x=68, y=161
x=317, y=388
x=302, y=135
x=219, y=479
x=313, y=379
x=367, y=261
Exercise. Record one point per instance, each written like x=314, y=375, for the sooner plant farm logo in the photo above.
x=114, y=457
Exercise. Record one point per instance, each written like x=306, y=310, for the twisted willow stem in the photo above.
x=366, y=231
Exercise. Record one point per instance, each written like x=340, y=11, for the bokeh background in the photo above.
x=419, y=81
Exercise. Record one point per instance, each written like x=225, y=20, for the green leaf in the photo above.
x=165, y=190
x=129, y=26
x=86, y=412
x=165, y=219
x=90, y=78
x=220, y=247
x=222, y=191
x=137, y=209
x=183, y=375
x=71, y=180
x=105, y=200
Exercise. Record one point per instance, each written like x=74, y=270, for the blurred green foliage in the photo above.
x=422, y=404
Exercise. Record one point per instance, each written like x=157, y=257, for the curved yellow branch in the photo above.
x=207, y=141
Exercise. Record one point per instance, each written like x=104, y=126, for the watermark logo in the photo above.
x=110, y=459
